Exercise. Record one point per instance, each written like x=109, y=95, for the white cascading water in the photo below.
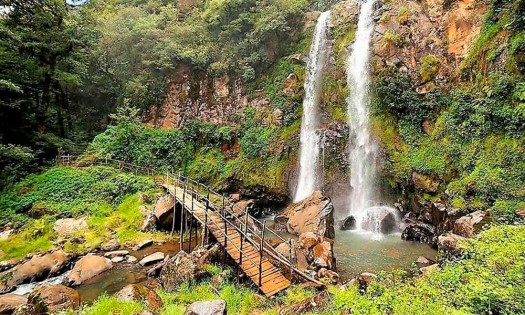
x=310, y=136
x=363, y=148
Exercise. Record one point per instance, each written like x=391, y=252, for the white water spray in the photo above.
x=363, y=149
x=310, y=136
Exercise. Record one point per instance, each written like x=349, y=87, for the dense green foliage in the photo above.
x=106, y=196
x=44, y=54
x=194, y=150
x=62, y=192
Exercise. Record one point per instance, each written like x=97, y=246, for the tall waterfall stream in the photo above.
x=310, y=135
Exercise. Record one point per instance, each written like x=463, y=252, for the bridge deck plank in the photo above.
x=272, y=280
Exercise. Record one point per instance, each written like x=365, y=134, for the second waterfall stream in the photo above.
x=310, y=136
x=363, y=149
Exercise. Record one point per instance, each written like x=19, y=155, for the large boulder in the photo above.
x=164, y=211
x=54, y=298
x=323, y=255
x=88, y=267
x=420, y=232
x=181, y=268
x=140, y=293
x=308, y=306
x=216, y=307
x=348, y=223
x=37, y=268
x=449, y=244
x=9, y=302
x=471, y=224
x=308, y=240
x=240, y=207
x=380, y=219
x=151, y=259
x=313, y=214
x=70, y=226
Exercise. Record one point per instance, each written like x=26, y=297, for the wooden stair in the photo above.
x=272, y=280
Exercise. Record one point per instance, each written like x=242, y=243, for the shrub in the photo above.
x=255, y=141
x=429, y=68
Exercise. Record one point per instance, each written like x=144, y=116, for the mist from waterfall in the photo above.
x=363, y=149
x=310, y=135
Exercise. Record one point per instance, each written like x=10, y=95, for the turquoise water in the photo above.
x=358, y=252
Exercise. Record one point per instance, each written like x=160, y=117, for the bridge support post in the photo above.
x=181, y=238
x=243, y=237
x=191, y=220
x=291, y=260
x=225, y=228
x=205, y=229
x=261, y=254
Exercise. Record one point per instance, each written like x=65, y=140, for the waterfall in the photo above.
x=310, y=135
x=363, y=149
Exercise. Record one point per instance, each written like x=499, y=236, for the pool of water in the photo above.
x=358, y=252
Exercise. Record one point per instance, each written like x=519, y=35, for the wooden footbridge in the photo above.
x=243, y=237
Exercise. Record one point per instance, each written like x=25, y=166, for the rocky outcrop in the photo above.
x=471, y=224
x=323, y=255
x=9, y=302
x=70, y=226
x=348, y=223
x=54, y=298
x=313, y=253
x=88, y=267
x=37, y=268
x=313, y=214
x=215, y=307
x=420, y=232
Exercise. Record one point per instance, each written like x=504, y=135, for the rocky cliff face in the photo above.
x=194, y=96
x=437, y=32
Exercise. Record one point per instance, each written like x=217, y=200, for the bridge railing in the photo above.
x=241, y=221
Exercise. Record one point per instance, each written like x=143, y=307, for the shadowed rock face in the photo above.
x=164, y=211
x=313, y=214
